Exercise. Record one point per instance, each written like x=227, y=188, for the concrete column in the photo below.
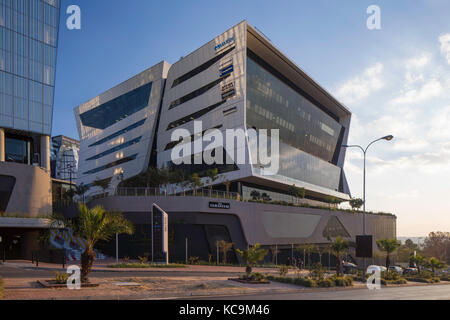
x=2, y=145
x=45, y=153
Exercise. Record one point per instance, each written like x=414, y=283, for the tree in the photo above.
x=388, y=246
x=227, y=185
x=435, y=264
x=338, y=247
x=81, y=189
x=356, y=203
x=418, y=260
x=213, y=175
x=296, y=192
x=437, y=244
x=224, y=247
x=251, y=256
x=94, y=225
x=255, y=195
x=195, y=182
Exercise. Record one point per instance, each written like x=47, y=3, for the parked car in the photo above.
x=397, y=269
x=410, y=271
x=350, y=268
x=371, y=269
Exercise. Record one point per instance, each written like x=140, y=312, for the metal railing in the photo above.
x=162, y=192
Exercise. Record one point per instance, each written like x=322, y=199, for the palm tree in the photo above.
x=388, y=246
x=224, y=247
x=251, y=256
x=94, y=225
x=81, y=189
x=338, y=247
x=435, y=264
x=213, y=175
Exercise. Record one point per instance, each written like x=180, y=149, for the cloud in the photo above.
x=430, y=89
x=445, y=46
x=360, y=87
x=418, y=62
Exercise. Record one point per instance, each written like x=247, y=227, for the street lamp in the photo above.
x=387, y=138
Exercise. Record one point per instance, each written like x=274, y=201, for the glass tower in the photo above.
x=28, y=49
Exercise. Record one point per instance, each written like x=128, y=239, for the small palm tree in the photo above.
x=251, y=256
x=95, y=225
x=224, y=247
x=388, y=246
x=338, y=247
x=81, y=189
x=435, y=264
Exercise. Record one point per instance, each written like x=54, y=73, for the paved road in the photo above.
x=421, y=292
x=13, y=272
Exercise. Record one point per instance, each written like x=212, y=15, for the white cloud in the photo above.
x=445, y=46
x=418, y=62
x=430, y=89
x=360, y=87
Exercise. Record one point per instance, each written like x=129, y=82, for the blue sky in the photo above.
x=395, y=80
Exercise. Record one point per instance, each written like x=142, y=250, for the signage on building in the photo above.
x=219, y=205
x=221, y=46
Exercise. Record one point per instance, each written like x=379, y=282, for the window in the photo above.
x=194, y=116
x=196, y=93
x=201, y=68
x=112, y=164
x=17, y=150
x=116, y=148
x=117, y=109
x=172, y=144
x=118, y=133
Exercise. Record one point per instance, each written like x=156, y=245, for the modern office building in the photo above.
x=240, y=81
x=28, y=49
x=64, y=158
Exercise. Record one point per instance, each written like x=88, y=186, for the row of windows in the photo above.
x=112, y=164
x=115, y=149
x=197, y=92
x=117, y=109
x=200, y=68
x=194, y=115
x=26, y=89
x=118, y=133
x=27, y=69
x=34, y=9
x=25, y=110
x=28, y=27
x=172, y=144
x=22, y=5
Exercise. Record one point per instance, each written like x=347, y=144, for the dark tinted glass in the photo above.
x=118, y=133
x=17, y=150
x=272, y=104
x=117, y=109
x=112, y=164
x=115, y=149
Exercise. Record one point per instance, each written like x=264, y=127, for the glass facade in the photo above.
x=17, y=150
x=117, y=109
x=28, y=47
x=308, y=136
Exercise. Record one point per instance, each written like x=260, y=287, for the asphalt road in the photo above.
x=421, y=292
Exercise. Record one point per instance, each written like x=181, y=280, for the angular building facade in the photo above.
x=238, y=81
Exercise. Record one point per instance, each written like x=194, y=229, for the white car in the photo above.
x=371, y=269
x=397, y=269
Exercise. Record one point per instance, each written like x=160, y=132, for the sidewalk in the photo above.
x=102, y=266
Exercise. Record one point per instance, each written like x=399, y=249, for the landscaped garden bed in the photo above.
x=55, y=284
x=254, y=278
x=138, y=265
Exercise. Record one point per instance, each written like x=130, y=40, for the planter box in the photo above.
x=248, y=281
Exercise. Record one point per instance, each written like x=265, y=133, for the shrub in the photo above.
x=194, y=260
x=283, y=270
x=301, y=281
x=317, y=273
x=445, y=277
x=254, y=277
x=143, y=259
x=343, y=281
x=61, y=277
x=326, y=282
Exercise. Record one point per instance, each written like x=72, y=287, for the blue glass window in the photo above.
x=117, y=109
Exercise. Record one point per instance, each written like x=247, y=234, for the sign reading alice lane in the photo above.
x=219, y=205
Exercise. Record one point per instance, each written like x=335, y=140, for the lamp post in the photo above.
x=387, y=138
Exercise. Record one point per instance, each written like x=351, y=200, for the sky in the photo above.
x=395, y=80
